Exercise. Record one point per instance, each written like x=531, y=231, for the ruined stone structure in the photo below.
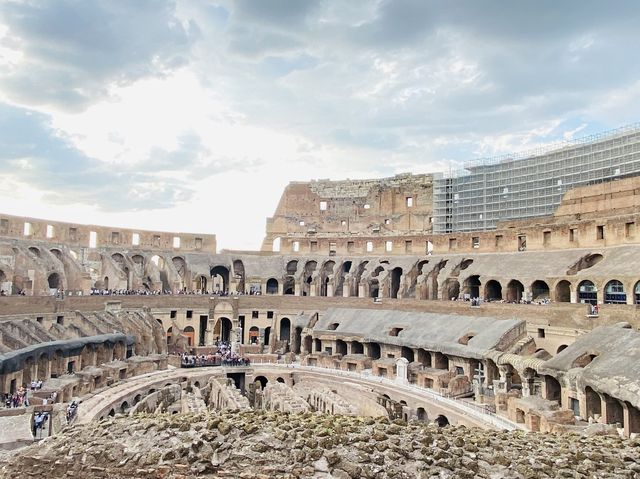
x=364, y=310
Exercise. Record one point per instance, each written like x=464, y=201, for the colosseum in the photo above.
x=502, y=297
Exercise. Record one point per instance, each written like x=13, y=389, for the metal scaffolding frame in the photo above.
x=530, y=184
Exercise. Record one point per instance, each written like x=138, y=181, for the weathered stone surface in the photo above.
x=250, y=444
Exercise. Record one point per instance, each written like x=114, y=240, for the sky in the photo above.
x=193, y=115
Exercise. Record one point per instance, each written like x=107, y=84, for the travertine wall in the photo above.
x=78, y=235
x=396, y=205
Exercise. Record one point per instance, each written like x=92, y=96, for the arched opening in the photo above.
x=451, y=289
x=112, y=412
x=317, y=345
x=285, y=329
x=201, y=284
x=472, y=286
x=615, y=412
x=225, y=329
x=54, y=281
x=124, y=407
x=280, y=380
x=563, y=291
x=424, y=358
x=441, y=361
x=357, y=347
x=275, y=245
x=190, y=333
x=636, y=293
x=593, y=403
x=254, y=334
x=309, y=269
x=561, y=348
x=614, y=293
x=583, y=360
x=219, y=279
x=292, y=267
x=514, y=291
x=34, y=251
x=587, y=292
x=407, y=353
x=422, y=414
x=552, y=388
x=272, y=286
x=238, y=274
x=327, y=274
x=539, y=290
x=261, y=382
x=136, y=399
x=374, y=288
x=289, y=286
x=396, y=275
x=374, y=350
x=341, y=347
x=493, y=290
x=267, y=335
x=105, y=282
x=308, y=344
x=441, y=421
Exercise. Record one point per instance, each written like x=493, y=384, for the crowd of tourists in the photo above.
x=18, y=399
x=222, y=357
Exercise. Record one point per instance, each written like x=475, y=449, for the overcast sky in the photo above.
x=193, y=115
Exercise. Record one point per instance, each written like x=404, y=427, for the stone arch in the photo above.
x=636, y=293
x=593, y=402
x=471, y=286
x=515, y=289
x=407, y=353
x=180, y=266
x=309, y=269
x=190, y=333
x=54, y=281
x=272, y=286
x=308, y=344
x=124, y=407
x=292, y=267
x=563, y=291
x=357, y=347
x=341, y=347
x=539, y=290
x=493, y=290
x=561, y=348
x=421, y=414
x=587, y=292
x=220, y=275
x=614, y=292
x=327, y=271
x=374, y=351
x=225, y=329
x=396, y=275
x=285, y=329
x=34, y=251
x=451, y=289
x=239, y=274
x=289, y=285
x=105, y=282
x=262, y=380
x=201, y=283
x=374, y=288
x=424, y=357
x=280, y=379
x=441, y=420
x=267, y=335
x=254, y=334
x=57, y=253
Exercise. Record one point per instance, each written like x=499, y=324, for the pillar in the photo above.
x=402, y=371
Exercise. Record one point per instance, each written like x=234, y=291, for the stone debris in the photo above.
x=265, y=444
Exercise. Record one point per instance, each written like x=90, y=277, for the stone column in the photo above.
x=527, y=384
x=503, y=384
x=329, y=289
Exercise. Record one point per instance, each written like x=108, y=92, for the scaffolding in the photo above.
x=531, y=184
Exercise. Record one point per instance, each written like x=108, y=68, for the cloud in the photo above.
x=73, y=51
x=34, y=155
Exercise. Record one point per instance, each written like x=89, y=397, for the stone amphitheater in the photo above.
x=371, y=345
